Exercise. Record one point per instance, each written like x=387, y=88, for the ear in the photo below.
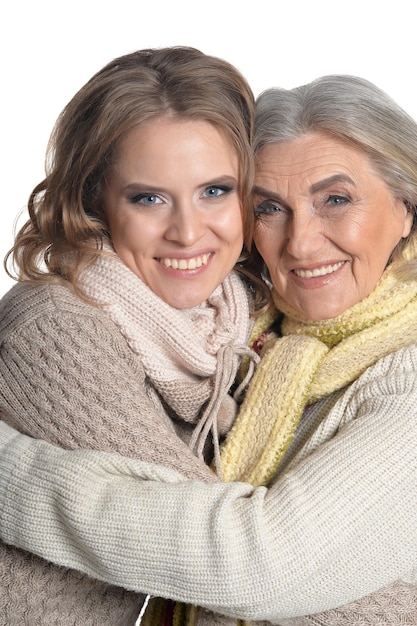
x=409, y=219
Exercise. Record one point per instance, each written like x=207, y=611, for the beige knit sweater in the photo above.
x=68, y=376
x=321, y=537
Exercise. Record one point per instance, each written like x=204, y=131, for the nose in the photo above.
x=305, y=236
x=186, y=224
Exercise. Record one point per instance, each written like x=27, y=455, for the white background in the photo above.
x=49, y=49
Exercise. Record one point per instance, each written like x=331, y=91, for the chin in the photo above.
x=184, y=303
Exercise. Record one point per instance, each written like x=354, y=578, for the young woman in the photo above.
x=128, y=324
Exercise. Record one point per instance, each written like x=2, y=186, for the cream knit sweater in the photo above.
x=321, y=537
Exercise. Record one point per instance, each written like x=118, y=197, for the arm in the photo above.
x=332, y=529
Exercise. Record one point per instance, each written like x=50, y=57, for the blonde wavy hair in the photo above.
x=67, y=226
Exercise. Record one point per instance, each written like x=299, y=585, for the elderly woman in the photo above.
x=320, y=524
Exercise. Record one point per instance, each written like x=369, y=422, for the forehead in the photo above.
x=310, y=157
x=173, y=126
x=164, y=139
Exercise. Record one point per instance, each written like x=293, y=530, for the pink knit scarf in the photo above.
x=190, y=356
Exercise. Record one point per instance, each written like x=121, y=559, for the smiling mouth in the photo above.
x=186, y=264
x=319, y=271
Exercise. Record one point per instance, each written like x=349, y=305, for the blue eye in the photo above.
x=148, y=199
x=267, y=208
x=337, y=200
x=216, y=191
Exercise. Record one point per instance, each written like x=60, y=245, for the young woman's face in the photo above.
x=173, y=208
x=326, y=223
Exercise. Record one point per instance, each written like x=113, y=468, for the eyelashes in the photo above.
x=271, y=207
x=153, y=199
x=147, y=199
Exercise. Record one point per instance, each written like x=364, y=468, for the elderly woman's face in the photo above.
x=173, y=208
x=326, y=223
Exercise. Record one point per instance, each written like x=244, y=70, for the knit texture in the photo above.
x=74, y=374
x=295, y=534
x=394, y=605
x=179, y=349
x=311, y=361
x=254, y=553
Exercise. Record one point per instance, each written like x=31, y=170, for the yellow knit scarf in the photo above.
x=310, y=361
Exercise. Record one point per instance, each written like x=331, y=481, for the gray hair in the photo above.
x=353, y=110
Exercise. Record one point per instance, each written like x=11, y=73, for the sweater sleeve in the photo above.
x=335, y=527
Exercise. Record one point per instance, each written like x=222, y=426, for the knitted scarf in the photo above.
x=308, y=362
x=191, y=356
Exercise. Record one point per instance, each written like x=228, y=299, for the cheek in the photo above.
x=129, y=236
x=259, y=237
x=234, y=219
x=268, y=244
x=228, y=227
x=234, y=227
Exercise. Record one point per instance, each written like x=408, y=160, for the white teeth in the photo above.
x=319, y=271
x=186, y=264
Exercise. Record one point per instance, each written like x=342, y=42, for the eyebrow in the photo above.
x=331, y=180
x=319, y=186
x=261, y=191
x=220, y=180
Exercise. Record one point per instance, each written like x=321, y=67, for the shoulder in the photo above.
x=27, y=303
x=386, y=390
x=383, y=398
x=49, y=323
x=390, y=382
x=393, y=373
